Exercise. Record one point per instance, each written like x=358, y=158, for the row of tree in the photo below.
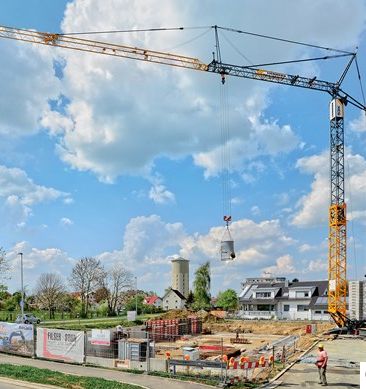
x=113, y=287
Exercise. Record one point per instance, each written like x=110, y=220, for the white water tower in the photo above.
x=180, y=275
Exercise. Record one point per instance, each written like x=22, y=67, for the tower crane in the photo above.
x=337, y=252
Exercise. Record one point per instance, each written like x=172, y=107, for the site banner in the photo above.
x=16, y=338
x=101, y=337
x=61, y=345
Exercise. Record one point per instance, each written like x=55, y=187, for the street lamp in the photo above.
x=22, y=285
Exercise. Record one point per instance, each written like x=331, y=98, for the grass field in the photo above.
x=49, y=377
x=87, y=324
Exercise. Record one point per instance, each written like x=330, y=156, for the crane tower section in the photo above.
x=337, y=288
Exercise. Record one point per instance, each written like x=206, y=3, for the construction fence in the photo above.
x=159, y=346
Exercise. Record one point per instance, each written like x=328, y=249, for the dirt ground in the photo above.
x=257, y=333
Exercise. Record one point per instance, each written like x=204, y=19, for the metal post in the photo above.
x=273, y=356
x=22, y=285
x=148, y=353
x=222, y=358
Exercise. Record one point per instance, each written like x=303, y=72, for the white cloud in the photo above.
x=255, y=210
x=56, y=123
x=149, y=240
x=317, y=265
x=305, y=248
x=35, y=262
x=27, y=84
x=359, y=124
x=66, y=222
x=254, y=242
x=121, y=115
x=313, y=207
x=19, y=193
x=264, y=138
x=284, y=265
x=159, y=194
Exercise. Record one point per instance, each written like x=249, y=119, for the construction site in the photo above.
x=279, y=332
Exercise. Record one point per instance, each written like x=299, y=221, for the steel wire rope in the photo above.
x=352, y=223
x=225, y=155
x=360, y=81
x=300, y=43
x=188, y=41
x=236, y=49
x=136, y=30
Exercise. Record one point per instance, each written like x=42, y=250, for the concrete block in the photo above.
x=105, y=362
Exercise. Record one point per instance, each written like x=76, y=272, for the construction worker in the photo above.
x=321, y=363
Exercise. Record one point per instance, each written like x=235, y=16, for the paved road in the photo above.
x=341, y=373
x=146, y=381
x=5, y=385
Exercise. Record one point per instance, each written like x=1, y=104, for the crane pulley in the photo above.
x=337, y=287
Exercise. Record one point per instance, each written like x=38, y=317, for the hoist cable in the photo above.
x=225, y=155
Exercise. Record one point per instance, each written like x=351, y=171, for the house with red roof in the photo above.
x=154, y=300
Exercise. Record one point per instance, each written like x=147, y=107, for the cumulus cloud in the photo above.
x=149, y=240
x=66, y=222
x=28, y=82
x=19, y=193
x=313, y=207
x=35, y=262
x=159, y=194
x=359, y=124
x=284, y=265
x=254, y=242
x=121, y=115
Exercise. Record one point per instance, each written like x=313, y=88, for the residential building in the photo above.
x=277, y=298
x=180, y=275
x=357, y=300
x=154, y=300
x=173, y=299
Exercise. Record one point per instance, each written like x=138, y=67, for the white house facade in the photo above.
x=277, y=298
x=173, y=299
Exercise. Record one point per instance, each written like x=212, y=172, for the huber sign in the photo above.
x=60, y=345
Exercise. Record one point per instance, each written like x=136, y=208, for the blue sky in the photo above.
x=120, y=160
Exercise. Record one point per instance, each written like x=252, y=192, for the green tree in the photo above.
x=202, y=284
x=190, y=300
x=228, y=300
x=131, y=303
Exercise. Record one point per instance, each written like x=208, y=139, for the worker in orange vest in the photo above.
x=321, y=363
